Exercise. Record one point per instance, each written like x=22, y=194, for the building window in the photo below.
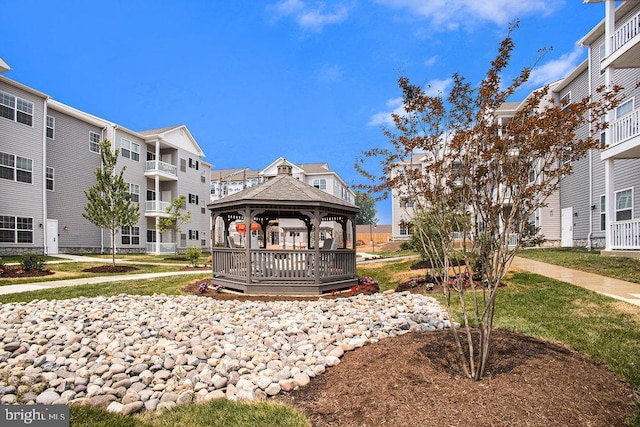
x=193, y=235
x=603, y=213
x=51, y=125
x=203, y=210
x=624, y=108
x=16, y=109
x=603, y=133
x=16, y=168
x=405, y=229
x=565, y=100
x=129, y=149
x=624, y=205
x=193, y=164
x=134, y=193
x=94, y=142
x=203, y=179
x=49, y=178
x=193, y=199
x=16, y=229
x=203, y=242
x=151, y=236
x=151, y=195
x=183, y=165
x=320, y=183
x=130, y=235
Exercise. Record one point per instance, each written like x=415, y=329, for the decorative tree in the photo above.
x=176, y=219
x=109, y=202
x=465, y=174
x=367, y=205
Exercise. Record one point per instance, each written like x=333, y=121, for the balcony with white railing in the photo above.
x=625, y=235
x=625, y=44
x=155, y=208
x=625, y=137
x=162, y=248
x=166, y=171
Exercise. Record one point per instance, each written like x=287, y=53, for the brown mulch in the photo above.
x=414, y=380
x=110, y=269
x=10, y=273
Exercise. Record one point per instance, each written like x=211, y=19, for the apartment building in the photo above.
x=48, y=155
x=607, y=179
x=289, y=232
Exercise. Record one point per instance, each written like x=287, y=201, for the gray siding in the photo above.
x=75, y=167
x=19, y=198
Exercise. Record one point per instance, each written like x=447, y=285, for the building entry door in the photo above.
x=566, y=227
x=52, y=237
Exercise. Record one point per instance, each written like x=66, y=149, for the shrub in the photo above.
x=32, y=262
x=193, y=255
x=2, y=264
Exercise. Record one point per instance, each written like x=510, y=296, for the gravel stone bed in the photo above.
x=133, y=353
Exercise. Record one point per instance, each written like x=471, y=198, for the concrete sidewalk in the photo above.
x=614, y=288
x=24, y=287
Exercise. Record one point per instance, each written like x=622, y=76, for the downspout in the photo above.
x=590, y=86
x=45, y=212
x=102, y=229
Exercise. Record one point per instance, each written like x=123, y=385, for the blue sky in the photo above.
x=312, y=81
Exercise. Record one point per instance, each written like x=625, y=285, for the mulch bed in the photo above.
x=10, y=273
x=414, y=380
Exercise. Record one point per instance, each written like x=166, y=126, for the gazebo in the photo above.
x=311, y=269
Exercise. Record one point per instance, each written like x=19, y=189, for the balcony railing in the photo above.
x=626, y=32
x=625, y=234
x=161, y=167
x=156, y=207
x=165, y=248
x=626, y=127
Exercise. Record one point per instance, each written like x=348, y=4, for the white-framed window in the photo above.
x=16, y=229
x=134, y=193
x=129, y=149
x=603, y=133
x=565, y=100
x=94, y=142
x=193, y=164
x=16, y=109
x=203, y=179
x=49, y=178
x=51, y=126
x=130, y=235
x=405, y=229
x=193, y=235
x=183, y=165
x=603, y=213
x=203, y=242
x=16, y=168
x=602, y=51
x=151, y=236
x=320, y=183
x=193, y=199
x=624, y=108
x=624, y=204
x=203, y=210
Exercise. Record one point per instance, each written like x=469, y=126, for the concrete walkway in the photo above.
x=614, y=288
x=24, y=287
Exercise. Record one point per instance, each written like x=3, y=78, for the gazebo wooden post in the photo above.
x=247, y=243
x=315, y=220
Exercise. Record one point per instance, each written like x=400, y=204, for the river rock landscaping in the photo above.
x=133, y=353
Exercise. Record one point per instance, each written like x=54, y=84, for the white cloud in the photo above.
x=430, y=61
x=310, y=17
x=451, y=14
x=434, y=88
x=556, y=69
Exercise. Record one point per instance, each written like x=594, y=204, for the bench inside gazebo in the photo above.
x=311, y=268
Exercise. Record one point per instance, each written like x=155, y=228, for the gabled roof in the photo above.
x=284, y=190
x=177, y=136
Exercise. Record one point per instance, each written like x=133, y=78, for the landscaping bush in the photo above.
x=32, y=262
x=193, y=255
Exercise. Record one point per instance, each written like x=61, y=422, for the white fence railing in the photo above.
x=159, y=166
x=625, y=234
x=626, y=127
x=165, y=248
x=626, y=32
x=156, y=206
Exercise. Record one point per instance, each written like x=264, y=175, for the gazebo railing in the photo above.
x=283, y=265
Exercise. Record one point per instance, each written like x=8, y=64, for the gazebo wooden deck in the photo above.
x=256, y=269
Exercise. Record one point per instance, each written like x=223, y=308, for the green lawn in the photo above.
x=73, y=270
